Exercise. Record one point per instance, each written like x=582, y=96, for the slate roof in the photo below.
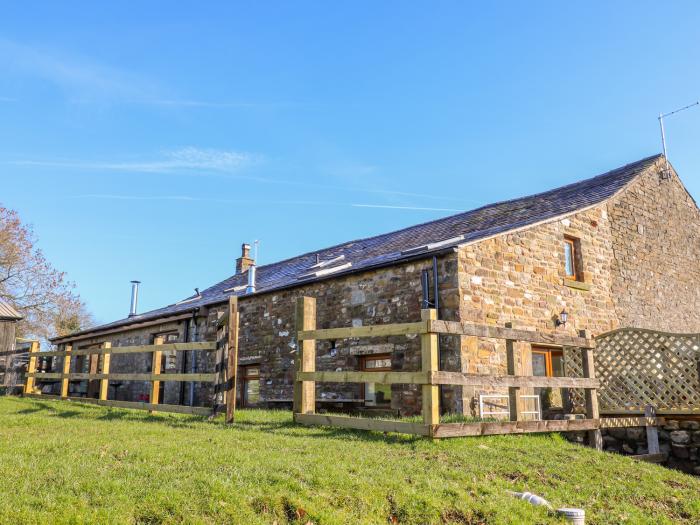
x=416, y=241
x=8, y=313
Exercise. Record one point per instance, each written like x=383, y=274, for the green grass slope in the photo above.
x=63, y=462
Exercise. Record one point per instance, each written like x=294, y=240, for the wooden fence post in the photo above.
x=65, y=381
x=595, y=437
x=652, y=431
x=305, y=391
x=512, y=369
x=104, y=383
x=430, y=363
x=155, y=370
x=93, y=384
x=232, y=358
x=31, y=368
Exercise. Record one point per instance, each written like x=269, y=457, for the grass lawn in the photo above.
x=63, y=462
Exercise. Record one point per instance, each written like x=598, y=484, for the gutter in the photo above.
x=142, y=323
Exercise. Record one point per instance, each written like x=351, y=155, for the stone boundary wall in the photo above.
x=679, y=440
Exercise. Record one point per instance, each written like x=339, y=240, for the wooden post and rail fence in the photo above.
x=224, y=377
x=430, y=378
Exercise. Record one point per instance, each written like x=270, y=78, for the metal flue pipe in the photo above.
x=251, y=280
x=134, y=297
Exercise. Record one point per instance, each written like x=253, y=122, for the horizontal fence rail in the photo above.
x=448, y=378
x=199, y=378
x=514, y=334
x=364, y=331
x=446, y=328
x=223, y=378
x=102, y=356
x=138, y=405
x=206, y=346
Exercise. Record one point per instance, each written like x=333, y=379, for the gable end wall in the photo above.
x=640, y=251
x=655, y=227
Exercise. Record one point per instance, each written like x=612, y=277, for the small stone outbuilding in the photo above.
x=620, y=249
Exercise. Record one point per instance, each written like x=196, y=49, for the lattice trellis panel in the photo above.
x=638, y=367
x=573, y=367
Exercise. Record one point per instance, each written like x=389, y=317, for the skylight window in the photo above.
x=238, y=288
x=433, y=245
x=326, y=271
x=329, y=262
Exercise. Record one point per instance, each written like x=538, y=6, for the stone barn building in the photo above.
x=618, y=250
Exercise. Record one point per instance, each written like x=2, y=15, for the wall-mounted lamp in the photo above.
x=562, y=319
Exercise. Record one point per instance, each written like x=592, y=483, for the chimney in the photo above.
x=245, y=261
x=134, y=297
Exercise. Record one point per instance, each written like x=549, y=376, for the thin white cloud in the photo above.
x=213, y=159
x=391, y=207
x=86, y=81
x=110, y=196
x=199, y=103
x=189, y=158
x=200, y=162
x=194, y=103
x=74, y=75
x=185, y=198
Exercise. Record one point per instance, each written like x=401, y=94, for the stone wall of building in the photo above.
x=520, y=278
x=656, y=248
x=382, y=296
x=268, y=339
x=170, y=331
x=639, y=256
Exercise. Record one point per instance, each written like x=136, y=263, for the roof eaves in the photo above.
x=143, y=319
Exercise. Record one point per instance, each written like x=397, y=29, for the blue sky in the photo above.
x=150, y=139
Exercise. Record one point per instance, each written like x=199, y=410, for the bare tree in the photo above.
x=41, y=293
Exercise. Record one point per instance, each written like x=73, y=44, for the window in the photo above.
x=250, y=386
x=377, y=394
x=572, y=259
x=548, y=362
